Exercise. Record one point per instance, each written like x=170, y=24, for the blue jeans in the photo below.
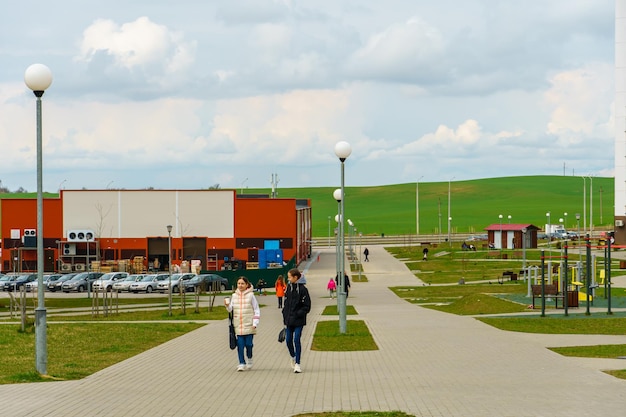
x=244, y=341
x=292, y=340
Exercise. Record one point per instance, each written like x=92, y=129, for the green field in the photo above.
x=475, y=204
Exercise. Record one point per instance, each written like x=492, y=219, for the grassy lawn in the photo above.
x=328, y=338
x=79, y=349
x=441, y=291
x=332, y=310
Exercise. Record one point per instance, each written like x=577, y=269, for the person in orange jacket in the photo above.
x=280, y=290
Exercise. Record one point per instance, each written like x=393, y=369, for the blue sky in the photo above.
x=193, y=93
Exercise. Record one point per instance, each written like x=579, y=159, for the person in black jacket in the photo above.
x=297, y=306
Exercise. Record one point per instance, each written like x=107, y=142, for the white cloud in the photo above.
x=138, y=44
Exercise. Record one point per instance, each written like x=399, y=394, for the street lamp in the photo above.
x=449, y=207
x=565, y=215
x=329, y=231
x=343, y=151
x=580, y=255
x=242, y=183
x=417, y=206
x=500, y=217
x=510, y=217
x=548, y=230
x=169, y=267
x=449, y=226
x=38, y=78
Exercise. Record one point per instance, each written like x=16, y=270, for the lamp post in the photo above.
x=565, y=216
x=500, y=217
x=338, y=196
x=242, y=183
x=417, y=206
x=548, y=231
x=509, y=217
x=526, y=273
x=449, y=227
x=449, y=207
x=329, y=231
x=350, y=234
x=342, y=150
x=38, y=78
x=580, y=255
x=169, y=267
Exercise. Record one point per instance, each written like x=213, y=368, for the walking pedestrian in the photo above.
x=366, y=252
x=280, y=288
x=346, y=283
x=246, y=315
x=297, y=306
x=331, y=287
x=425, y=252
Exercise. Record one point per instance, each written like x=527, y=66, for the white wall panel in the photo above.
x=128, y=214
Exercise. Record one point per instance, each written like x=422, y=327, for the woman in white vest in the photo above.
x=246, y=315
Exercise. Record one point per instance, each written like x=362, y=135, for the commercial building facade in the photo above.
x=117, y=229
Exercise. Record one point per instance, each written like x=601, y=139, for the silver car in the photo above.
x=106, y=281
x=148, y=283
x=32, y=286
x=178, y=281
x=124, y=284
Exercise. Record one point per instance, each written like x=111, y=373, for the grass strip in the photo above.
x=356, y=338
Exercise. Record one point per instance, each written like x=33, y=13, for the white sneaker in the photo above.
x=241, y=367
x=249, y=364
x=293, y=362
x=296, y=368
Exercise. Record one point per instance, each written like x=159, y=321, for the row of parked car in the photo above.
x=115, y=281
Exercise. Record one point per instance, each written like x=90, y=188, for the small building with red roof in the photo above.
x=512, y=236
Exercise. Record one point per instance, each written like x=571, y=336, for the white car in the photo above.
x=148, y=283
x=106, y=281
x=32, y=286
x=124, y=284
x=177, y=281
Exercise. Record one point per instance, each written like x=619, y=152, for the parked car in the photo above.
x=19, y=282
x=106, y=281
x=4, y=279
x=177, y=280
x=206, y=282
x=57, y=285
x=124, y=284
x=32, y=286
x=81, y=282
x=148, y=283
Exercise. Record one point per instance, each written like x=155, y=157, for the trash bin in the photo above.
x=572, y=298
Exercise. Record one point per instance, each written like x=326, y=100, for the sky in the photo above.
x=195, y=94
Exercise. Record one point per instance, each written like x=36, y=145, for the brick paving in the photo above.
x=429, y=364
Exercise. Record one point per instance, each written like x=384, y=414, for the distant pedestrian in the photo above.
x=331, y=287
x=246, y=315
x=366, y=252
x=260, y=285
x=297, y=306
x=346, y=283
x=280, y=288
x=425, y=252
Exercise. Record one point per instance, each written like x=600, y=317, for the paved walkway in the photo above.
x=429, y=364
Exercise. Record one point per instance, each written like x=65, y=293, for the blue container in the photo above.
x=271, y=244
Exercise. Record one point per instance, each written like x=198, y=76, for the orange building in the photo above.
x=128, y=230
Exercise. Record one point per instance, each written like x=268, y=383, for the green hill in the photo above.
x=474, y=204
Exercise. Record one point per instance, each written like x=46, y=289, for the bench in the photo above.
x=550, y=291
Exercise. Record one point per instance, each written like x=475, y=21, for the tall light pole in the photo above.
x=584, y=204
x=500, y=217
x=343, y=151
x=565, y=216
x=329, y=231
x=509, y=218
x=169, y=267
x=590, y=204
x=242, y=183
x=580, y=255
x=38, y=78
x=417, y=206
x=549, y=232
x=449, y=227
x=449, y=207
